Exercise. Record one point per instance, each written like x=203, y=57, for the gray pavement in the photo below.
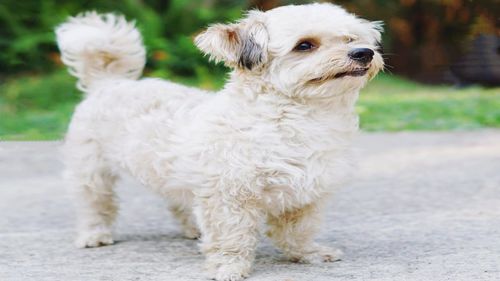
x=425, y=206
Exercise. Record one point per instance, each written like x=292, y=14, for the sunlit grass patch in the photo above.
x=393, y=104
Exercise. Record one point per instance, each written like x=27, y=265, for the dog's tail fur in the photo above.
x=96, y=47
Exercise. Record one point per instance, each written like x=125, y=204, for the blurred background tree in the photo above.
x=422, y=39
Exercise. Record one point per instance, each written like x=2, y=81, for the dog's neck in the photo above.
x=258, y=98
x=255, y=88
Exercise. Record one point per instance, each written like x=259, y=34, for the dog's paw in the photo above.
x=231, y=272
x=319, y=255
x=235, y=271
x=90, y=239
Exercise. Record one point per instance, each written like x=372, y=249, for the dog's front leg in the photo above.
x=229, y=226
x=293, y=232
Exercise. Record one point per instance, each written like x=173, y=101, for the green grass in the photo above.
x=39, y=107
x=390, y=103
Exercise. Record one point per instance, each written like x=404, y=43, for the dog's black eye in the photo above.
x=304, y=46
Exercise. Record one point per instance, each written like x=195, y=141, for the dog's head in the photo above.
x=308, y=50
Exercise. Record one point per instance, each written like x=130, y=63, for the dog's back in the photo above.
x=107, y=55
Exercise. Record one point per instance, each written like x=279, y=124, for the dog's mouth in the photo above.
x=354, y=73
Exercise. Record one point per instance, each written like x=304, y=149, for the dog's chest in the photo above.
x=308, y=157
x=307, y=139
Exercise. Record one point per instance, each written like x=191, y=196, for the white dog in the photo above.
x=272, y=145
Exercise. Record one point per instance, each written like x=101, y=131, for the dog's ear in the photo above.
x=242, y=44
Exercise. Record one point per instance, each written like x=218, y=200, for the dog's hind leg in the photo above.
x=293, y=232
x=92, y=183
x=181, y=205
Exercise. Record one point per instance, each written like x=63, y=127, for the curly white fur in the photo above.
x=272, y=145
x=97, y=47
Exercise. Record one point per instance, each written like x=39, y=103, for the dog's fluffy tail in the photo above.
x=96, y=47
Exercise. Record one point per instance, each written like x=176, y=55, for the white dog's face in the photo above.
x=316, y=50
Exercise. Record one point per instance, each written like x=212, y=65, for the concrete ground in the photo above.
x=425, y=206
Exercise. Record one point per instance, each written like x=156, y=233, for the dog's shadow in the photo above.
x=265, y=251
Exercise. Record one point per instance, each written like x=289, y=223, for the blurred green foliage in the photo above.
x=421, y=37
x=27, y=39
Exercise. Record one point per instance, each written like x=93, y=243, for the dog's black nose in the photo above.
x=363, y=55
